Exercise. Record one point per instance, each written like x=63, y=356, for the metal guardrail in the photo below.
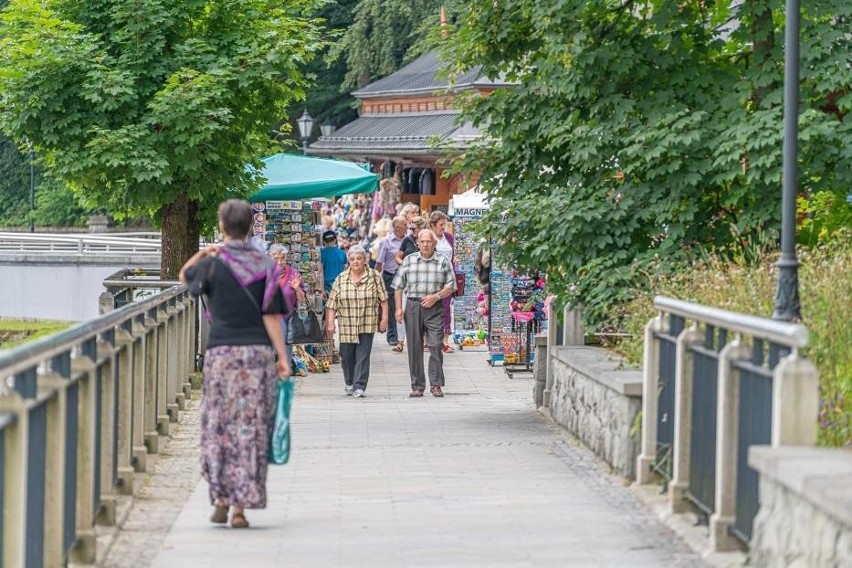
x=79, y=413
x=104, y=244
x=730, y=381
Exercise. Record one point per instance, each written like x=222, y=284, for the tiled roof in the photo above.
x=403, y=133
x=423, y=75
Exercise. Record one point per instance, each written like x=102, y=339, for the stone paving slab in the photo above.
x=477, y=478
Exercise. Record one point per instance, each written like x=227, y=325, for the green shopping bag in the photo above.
x=279, y=448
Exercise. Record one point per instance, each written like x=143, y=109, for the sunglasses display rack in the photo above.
x=470, y=319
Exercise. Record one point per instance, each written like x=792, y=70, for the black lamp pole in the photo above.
x=787, y=306
x=32, y=189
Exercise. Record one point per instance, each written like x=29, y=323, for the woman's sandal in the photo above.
x=398, y=347
x=220, y=514
x=238, y=521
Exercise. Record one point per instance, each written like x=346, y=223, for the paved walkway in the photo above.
x=477, y=478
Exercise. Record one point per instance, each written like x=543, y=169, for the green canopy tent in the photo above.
x=291, y=177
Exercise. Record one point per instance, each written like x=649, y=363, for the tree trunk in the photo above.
x=179, y=235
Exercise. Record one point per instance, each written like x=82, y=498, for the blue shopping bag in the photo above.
x=279, y=448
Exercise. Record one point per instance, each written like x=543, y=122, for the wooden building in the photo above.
x=401, y=117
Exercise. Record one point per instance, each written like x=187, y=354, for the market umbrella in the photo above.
x=298, y=177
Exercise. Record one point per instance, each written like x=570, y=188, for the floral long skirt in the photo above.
x=237, y=409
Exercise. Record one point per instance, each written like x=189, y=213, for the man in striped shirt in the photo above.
x=427, y=278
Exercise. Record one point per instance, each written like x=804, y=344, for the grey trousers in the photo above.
x=418, y=319
x=355, y=360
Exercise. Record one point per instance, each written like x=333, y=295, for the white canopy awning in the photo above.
x=471, y=203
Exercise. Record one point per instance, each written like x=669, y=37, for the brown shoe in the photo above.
x=415, y=393
x=238, y=521
x=220, y=514
x=437, y=392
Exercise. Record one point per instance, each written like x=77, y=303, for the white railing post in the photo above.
x=795, y=402
x=85, y=545
x=681, y=446
x=727, y=426
x=15, y=475
x=650, y=400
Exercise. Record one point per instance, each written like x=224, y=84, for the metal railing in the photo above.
x=103, y=244
x=79, y=413
x=734, y=381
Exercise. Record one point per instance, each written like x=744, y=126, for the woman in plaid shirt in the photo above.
x=355, y=299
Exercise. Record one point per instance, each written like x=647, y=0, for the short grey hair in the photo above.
x=278, y=249
x=357, y=249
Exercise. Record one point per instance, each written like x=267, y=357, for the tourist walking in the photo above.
x=426, y=278
x=238, y=378
x=333, y=259
x=360, y=304
x=386, y=265
x=293, y=289
x=445, y=247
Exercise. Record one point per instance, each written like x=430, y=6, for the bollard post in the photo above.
x=553, y=339
x=573, y=331
x=125, y=345
x=727, y=425
x=682, y=419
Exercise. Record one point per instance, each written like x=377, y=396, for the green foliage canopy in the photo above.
x=140, y=104
x=645, y=129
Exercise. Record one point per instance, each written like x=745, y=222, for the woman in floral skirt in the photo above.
x=240, y=369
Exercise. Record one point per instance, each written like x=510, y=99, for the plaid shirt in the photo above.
x=420, y=277
x=357, y=305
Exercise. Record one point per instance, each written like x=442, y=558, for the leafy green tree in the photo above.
x=644, y=129
x=153, y=107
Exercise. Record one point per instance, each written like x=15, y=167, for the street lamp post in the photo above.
x=787, y=306
x=306, y=125
x=32, y=188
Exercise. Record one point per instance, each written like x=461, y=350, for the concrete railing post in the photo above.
x=165, y=352
x=573, y=332
x=553, y=339
x=795, y=402
x=174, y=355
x=139, y=451
x=54, y=491
x=15, y=475
x=727, y=426
x=125, y=345
x=85, y=545
x=682, y=419
x=650, y=399
x=152, y=422
x=106, y=515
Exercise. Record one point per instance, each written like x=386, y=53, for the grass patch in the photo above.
x=825, y=290
x=17, y=332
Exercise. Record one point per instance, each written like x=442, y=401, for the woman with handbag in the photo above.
x=240, y=370
x=445, y=246
x=293, y=289
x=360, y=303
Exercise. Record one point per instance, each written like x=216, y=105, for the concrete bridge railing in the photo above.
x=716, y=383
x=79, y=413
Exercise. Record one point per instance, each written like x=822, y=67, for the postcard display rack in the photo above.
x=294, y=224
x=470, y=324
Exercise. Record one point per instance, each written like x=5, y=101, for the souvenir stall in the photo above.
x=287, y=211
x=470, y=310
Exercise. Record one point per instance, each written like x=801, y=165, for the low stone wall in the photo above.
x=597, y=401
x=805, y=516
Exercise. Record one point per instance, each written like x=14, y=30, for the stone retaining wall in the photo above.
x=805, y=516
x=597, y=401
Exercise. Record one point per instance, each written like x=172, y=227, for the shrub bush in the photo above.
x=825, y=291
